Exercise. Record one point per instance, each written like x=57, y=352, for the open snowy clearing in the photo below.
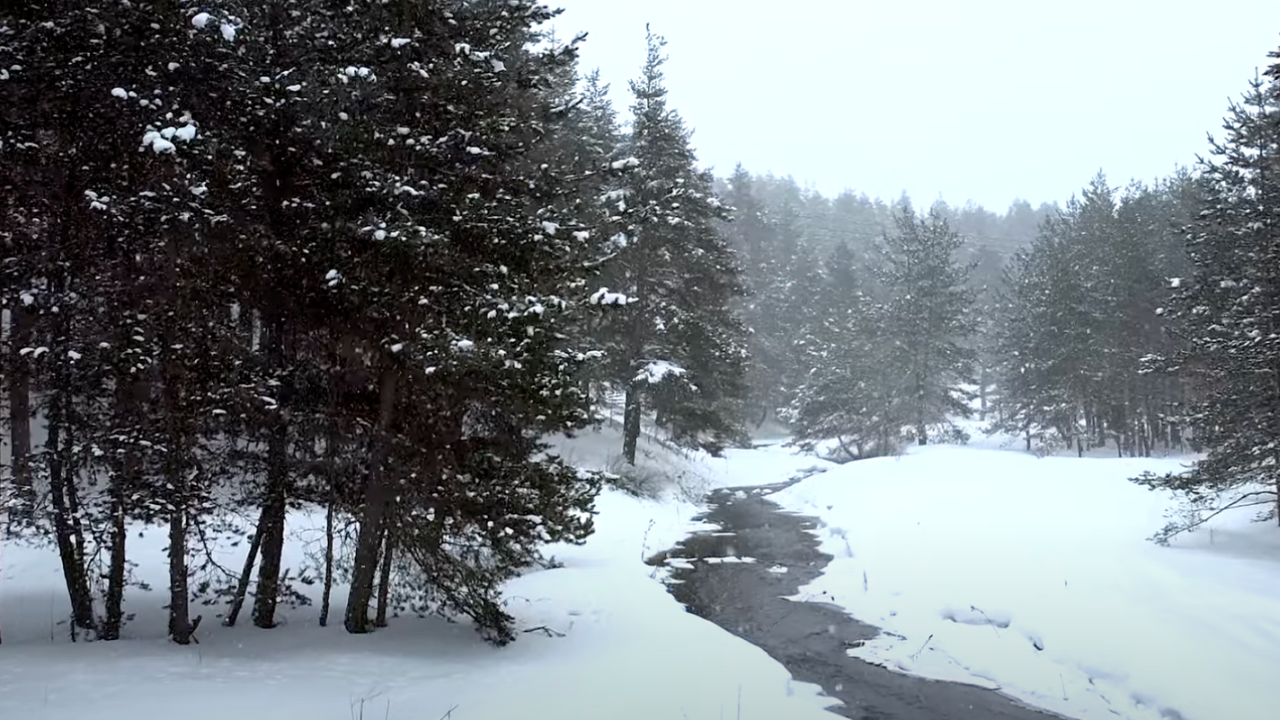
x=615, y=643
x=1034, y=576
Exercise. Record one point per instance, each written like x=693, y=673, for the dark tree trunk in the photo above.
x=326, y=595
x=274, y=507
x=331, y=476
x=124, y=482
x=65, y=522
x=20, y=325
x=377, y=496
x=114, y=601
x=982, y=396
x=246, y=573
x=922, y=435
x=275, y=503
x=180, y=626
x=177, y=461
x=631, y=425
x=384, y=579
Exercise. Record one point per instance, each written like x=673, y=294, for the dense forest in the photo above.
x=365, y=257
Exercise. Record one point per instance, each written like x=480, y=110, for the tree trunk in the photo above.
x=177, y=461
x=61, y=489
x=631, y=425
x=922, y=435
x=982, y=399
x=246, y=573
x=275, y=503
x=384, y=579
x=20, y=323
x=124, y=481
x=177, y=481
x=326, y=594
x=377, y=495
x=271, y=527
x=116, y=571
x=180, y=627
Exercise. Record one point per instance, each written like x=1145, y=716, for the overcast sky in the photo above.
x=968, y=99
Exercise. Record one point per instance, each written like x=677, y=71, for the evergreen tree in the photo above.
x=346, y=228
x=1079, y=311
x=849, y=390
x=678, y=348
x=928, y=318
x=766, y=246
x=1226, y=313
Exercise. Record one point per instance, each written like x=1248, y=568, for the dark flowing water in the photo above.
x=809, y=638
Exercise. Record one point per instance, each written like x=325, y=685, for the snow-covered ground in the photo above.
x=1033, y=575
x=619, y=646
x=982, y=564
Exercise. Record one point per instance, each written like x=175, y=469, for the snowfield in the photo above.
x=605, y=640
x=981, y=565
x=1034, y=576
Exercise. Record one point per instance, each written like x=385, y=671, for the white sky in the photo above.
x=968, y=99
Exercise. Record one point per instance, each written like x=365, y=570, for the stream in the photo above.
x=810, y=639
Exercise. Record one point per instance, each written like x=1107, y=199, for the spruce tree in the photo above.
x=847, y=392
x=678, y=349
x=766, y=247
x=1226, y=313
x=927, y=320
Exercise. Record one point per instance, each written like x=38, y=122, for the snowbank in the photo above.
x=604, y=640
x=1034, y=576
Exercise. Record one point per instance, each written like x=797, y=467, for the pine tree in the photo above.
x=927, y=318
x=347, y=226
x=1079, y=311
x=678, y=348
x=766, y=246
x=1227, y=313
x=848, y=393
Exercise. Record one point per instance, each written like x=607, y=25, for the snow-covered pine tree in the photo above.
x=1079, y=312
x=1033, y=339
x=1226, y=314
x=927, y=320
x=132, y=356
x=766, y=248
x=587, y=146
x=450, y=278
x=678, y=348
x=848, y=392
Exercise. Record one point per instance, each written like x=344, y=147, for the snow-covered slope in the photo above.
x=604, y=640
x=991, y=566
